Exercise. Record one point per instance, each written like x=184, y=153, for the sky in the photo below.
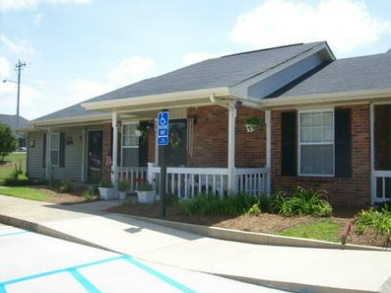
x=75, y=50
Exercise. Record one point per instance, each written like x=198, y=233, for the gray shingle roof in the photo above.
x=10, y=120
x=343, y=75
x=225, y=71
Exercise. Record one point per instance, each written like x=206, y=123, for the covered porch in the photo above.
x=210, y=149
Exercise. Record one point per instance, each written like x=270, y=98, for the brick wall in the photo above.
x=250, y=147
x=344, y=192
x=210, y=137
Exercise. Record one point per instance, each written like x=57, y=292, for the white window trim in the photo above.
x=52, y=149
x=122, y=140
x=299, y=143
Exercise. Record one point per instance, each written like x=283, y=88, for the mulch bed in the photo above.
x=264, y=223
x=73, y=197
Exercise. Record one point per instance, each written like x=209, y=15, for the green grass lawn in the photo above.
x=322, y=230
x=14, y=158
x=25, y=192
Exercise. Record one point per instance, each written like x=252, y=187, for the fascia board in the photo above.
x=71, y=120
x=241, y=88
x=339, y=97
x=155, y=99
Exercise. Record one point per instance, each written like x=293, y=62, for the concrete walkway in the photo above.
x=295, y=269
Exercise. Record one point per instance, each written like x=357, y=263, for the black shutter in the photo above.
x=62, y=150
x=288, y=144
x=343, y=143
x=44, y=151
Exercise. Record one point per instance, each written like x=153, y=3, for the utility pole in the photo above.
x=18, y=67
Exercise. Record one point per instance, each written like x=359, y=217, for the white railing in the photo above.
x=381, y=186
x=134, y=175
x=252, y=181
x=187, y=182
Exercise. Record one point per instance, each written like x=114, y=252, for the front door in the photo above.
x=95, y=139
x=176, y=152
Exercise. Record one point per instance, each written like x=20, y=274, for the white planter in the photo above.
x=106, y=193
x=122, y=194
x=145, y=196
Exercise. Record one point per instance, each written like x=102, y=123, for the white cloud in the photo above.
x=41, y=98
x=21, y=46
x=5, y=68
x=37, y=19
x=31, y=4
x=194, y=57
x=345, y=24
x=130, y=70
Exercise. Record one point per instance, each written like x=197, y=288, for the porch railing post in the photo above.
x=268, y=122
x=114, y=166
x=231, y=148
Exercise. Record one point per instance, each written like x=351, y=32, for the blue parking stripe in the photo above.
x=158, y=275
x=14, y=233
x=44, y=274
x=83, y=281
x=88, y=285
x=2, y=289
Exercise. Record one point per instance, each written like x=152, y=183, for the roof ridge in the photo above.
x=267, y=49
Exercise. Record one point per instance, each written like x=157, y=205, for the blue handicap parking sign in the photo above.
x=163, y=127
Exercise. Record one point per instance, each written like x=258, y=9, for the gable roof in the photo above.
x=10, y=120
x=365, y=73
x=223, y=72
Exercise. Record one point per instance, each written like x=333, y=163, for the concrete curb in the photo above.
x=254, y=238
x=41, y=229
x=293, y=287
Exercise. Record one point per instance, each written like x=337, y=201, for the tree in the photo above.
x=7, y=141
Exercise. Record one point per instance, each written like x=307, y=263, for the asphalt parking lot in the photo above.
x=30, y=262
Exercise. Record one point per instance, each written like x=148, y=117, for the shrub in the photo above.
x=254, y=210
x=211, y=204
x=377, y=219
x=65, y=186
x=88, y=193
x=302, y=202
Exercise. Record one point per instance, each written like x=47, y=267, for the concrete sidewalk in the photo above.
x=294, y=269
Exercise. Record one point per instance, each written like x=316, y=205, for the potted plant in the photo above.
x=106, y=191
x=145, y=192
x=123, y=187
x=252, y=124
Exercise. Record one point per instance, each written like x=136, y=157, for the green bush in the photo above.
x=254, y=210
x=377, y=219
x=302, y=202
x=211, y=204
x=88, y=193
x=65, y=186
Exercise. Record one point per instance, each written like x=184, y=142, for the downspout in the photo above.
x=268, y=122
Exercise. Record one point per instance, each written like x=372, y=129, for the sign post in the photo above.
x=163, y=142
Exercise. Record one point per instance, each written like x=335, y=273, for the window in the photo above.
x=316, y=143
x=130, y=145
x=55, y=149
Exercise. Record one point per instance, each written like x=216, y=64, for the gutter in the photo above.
x=327, y=98
x=156, y=99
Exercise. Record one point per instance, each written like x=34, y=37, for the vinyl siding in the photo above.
x=73, y=157
x=34, y=157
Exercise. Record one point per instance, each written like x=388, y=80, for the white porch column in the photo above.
x=268, y=122
x=231, y=148
x=48, y=171
x=83, y=155
x=372, y=146
x=114, y=166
